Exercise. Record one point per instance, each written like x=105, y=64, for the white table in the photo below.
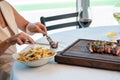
x=55, y=71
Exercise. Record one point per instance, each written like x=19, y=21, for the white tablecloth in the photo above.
x=55, y=71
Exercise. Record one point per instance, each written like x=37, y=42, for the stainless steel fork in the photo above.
x=51, y=42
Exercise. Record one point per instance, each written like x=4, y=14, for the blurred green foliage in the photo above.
x=71, y=4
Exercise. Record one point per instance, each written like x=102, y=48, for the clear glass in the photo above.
x=116, y=11
x=85, y=17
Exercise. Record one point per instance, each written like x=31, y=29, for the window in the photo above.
x=102, y=12
x=33, y=9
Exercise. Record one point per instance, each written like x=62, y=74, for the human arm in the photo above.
x=20, y=39
x=36, y=28
x=23, y=24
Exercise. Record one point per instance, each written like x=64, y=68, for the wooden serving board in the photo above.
x=79, y=54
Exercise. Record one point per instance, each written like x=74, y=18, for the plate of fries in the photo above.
x=34, y=55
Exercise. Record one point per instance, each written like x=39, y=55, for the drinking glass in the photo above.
x=116, y=11
x=85, y=17
x=85, y=21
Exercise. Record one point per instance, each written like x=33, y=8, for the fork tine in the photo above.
x=51, y=42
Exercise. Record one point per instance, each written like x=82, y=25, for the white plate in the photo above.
x=34, y=63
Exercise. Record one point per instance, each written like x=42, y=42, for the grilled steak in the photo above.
x=102, y=47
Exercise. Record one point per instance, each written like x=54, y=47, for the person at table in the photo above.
x=10, y=21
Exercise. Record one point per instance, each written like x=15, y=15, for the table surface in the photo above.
x=55, y=71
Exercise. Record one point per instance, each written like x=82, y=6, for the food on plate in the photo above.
x=98, y=46
x=35, y=54
x=111, y=34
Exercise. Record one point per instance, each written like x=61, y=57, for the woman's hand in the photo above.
x=36, y=28
x=21, y=38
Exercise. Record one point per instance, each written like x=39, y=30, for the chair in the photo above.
x=44, y=20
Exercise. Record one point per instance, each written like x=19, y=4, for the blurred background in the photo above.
x=102, y=10
x=32, y=10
